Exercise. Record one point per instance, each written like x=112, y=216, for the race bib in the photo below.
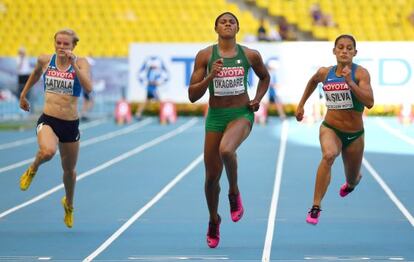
x=59, y=82
x=229, y=82
x=338, y=95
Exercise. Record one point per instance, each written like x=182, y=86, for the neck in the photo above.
x=62, y=62
x=227, y=44
x=342, y=65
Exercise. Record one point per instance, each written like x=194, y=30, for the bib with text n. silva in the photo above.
x=338, y=94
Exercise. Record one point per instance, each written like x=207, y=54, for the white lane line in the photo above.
x=395, y=132
x=23, y=258
x=140, y=212
x=180, y=257
x=93, y=123
x=388, y=191
x=352, y=258
x=16, y=165
x=107, y=164
x=30, y=140
x=17, y=143
x=87, y=142
x=276, y=190
x=120, y=132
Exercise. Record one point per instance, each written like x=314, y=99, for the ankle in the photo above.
x=316, y=207
x=355, y=183
x=215, y=219
x=234, y=192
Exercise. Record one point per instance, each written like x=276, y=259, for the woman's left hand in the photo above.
x=71, y=56
x=346, y=73
x=254, y=105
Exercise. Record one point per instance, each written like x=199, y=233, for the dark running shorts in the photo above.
x=66, y=130
x=346, y=137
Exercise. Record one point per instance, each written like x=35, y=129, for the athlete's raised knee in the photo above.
x=47, y=153
x=329, y=157
x=226, y=154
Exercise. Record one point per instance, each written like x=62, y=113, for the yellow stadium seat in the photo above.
x=383, y=14
x=320, y=32
x=113, y=24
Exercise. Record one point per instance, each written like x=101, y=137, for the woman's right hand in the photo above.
x=217, y=66
x=300, y=111
x=24, y=104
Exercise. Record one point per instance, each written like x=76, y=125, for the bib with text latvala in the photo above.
x=61, y=82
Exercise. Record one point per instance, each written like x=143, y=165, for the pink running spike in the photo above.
x=345, y=190
x=236, y=207
x=213, y=234
x=313, y=215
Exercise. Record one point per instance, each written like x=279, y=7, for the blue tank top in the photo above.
x=338, y=94
x=61, y=82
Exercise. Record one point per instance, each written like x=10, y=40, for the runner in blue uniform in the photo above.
x=64, y=76
x=347, y=88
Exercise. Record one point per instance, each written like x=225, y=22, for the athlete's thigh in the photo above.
x=330, y=142
x=46, y=138
x=69, y=154
x=236, y=132
x=352, y=156
x=212, y=160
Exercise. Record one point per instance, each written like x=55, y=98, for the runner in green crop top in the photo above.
x=347, y=90
x=232, y=79
x=223, y=69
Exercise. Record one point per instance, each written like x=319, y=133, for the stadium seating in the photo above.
x=107, y=27
x=367, y=20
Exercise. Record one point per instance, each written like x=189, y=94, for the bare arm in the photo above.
x=362, y=90
x=33, y=78
x=82, y=69
x=199, y=79
x=313, y=82
x=264, y=78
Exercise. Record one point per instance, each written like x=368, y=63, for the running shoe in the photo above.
x=68, y=219
x=236, y=207
x=313, y=215
x=345, y=189
x=26, y=179
x=213, y=233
